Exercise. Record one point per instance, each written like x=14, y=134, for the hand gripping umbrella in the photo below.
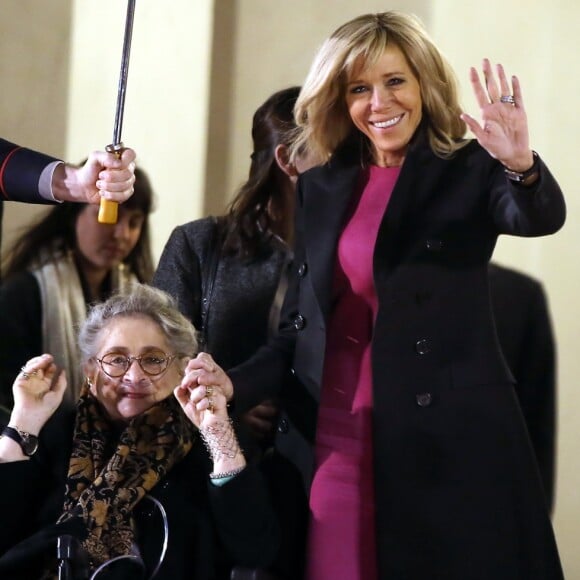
x=108, y=208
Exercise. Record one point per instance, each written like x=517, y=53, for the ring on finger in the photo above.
x=209, y=391
x=210, y=406
x=509, y=99
x=26, y=374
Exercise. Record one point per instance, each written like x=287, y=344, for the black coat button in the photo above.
x=422, y=346
x=299, y=322
x=283, y=426
x=434, y=245
x=424, y=399
x=302, y=269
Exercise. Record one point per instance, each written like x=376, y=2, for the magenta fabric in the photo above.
x=341, y=543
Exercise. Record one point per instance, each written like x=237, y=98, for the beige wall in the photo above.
x=191, y=95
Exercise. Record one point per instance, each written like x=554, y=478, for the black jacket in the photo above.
x=524, y=328
x=20, y=171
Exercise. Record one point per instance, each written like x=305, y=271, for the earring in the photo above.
x=89, y=384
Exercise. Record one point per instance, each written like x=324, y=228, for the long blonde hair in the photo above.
x=321, y=114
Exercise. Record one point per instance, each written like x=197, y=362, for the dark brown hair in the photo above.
x=264, y=204
x=57, y=227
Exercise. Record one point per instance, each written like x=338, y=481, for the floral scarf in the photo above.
x=109, y=474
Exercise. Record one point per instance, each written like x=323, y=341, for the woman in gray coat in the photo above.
x=228, y=277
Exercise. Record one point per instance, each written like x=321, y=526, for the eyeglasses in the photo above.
x=152, y=363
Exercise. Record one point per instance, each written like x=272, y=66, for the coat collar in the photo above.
x=325, y=194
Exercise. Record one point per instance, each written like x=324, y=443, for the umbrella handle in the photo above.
x=108, y=208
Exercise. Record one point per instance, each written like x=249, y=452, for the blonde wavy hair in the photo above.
x=321, y=114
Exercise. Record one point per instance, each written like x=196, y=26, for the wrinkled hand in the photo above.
x=38, y=391
x=202, y=392
x=504, y=130
x=102, y=175
x=261, y=420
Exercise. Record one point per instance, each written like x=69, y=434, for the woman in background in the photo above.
x=59, y=266
x=228, y=277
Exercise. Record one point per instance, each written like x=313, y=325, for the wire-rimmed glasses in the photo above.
x=152, y=363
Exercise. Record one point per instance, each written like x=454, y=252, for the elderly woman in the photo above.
x=420, y=462
x=120, y=486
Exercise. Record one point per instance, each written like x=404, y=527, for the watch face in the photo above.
x=29, y=444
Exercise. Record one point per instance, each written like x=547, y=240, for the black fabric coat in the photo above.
x=206, y=522
x=524, y=328
x=457, y=488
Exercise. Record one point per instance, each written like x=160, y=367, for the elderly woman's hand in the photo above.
x=206, y=372
x=205, y=403
x=203, y=391
x=38, y=391
x=504, y=130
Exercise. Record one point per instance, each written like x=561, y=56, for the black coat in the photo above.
x=206, y=522
x=524, y=328
x=457, y=488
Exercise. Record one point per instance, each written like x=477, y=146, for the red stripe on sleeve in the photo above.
x=3, y=169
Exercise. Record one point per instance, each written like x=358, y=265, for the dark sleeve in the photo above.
x=525, y=333
x=536, y=386
x=178, y=273
x=20, y=170
x=246, y=520
x=20, y=329
x=528, y=211
x=264, y=374
x=21, y=495
x=31, y=499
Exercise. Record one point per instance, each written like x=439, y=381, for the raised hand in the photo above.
x=38, y=391
x=503, y=131
x=202, y=392
x=205, y=403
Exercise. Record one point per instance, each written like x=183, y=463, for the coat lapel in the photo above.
x=420, y=173
x=327, y=198
x=329, y=192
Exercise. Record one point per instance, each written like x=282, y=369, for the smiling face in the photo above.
x=384, y=103
x=103, y=246
x=135, y=391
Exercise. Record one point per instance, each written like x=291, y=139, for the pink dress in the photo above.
x=341, y=543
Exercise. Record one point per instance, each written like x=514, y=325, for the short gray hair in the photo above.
x=139, y=300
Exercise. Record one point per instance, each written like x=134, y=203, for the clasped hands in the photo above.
x=204, y=391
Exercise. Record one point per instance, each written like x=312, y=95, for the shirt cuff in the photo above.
x=45, y=181
x=219, y=481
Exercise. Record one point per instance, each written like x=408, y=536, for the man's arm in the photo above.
x=33, y=177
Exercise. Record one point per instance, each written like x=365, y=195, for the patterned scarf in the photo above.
x=109, y=475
